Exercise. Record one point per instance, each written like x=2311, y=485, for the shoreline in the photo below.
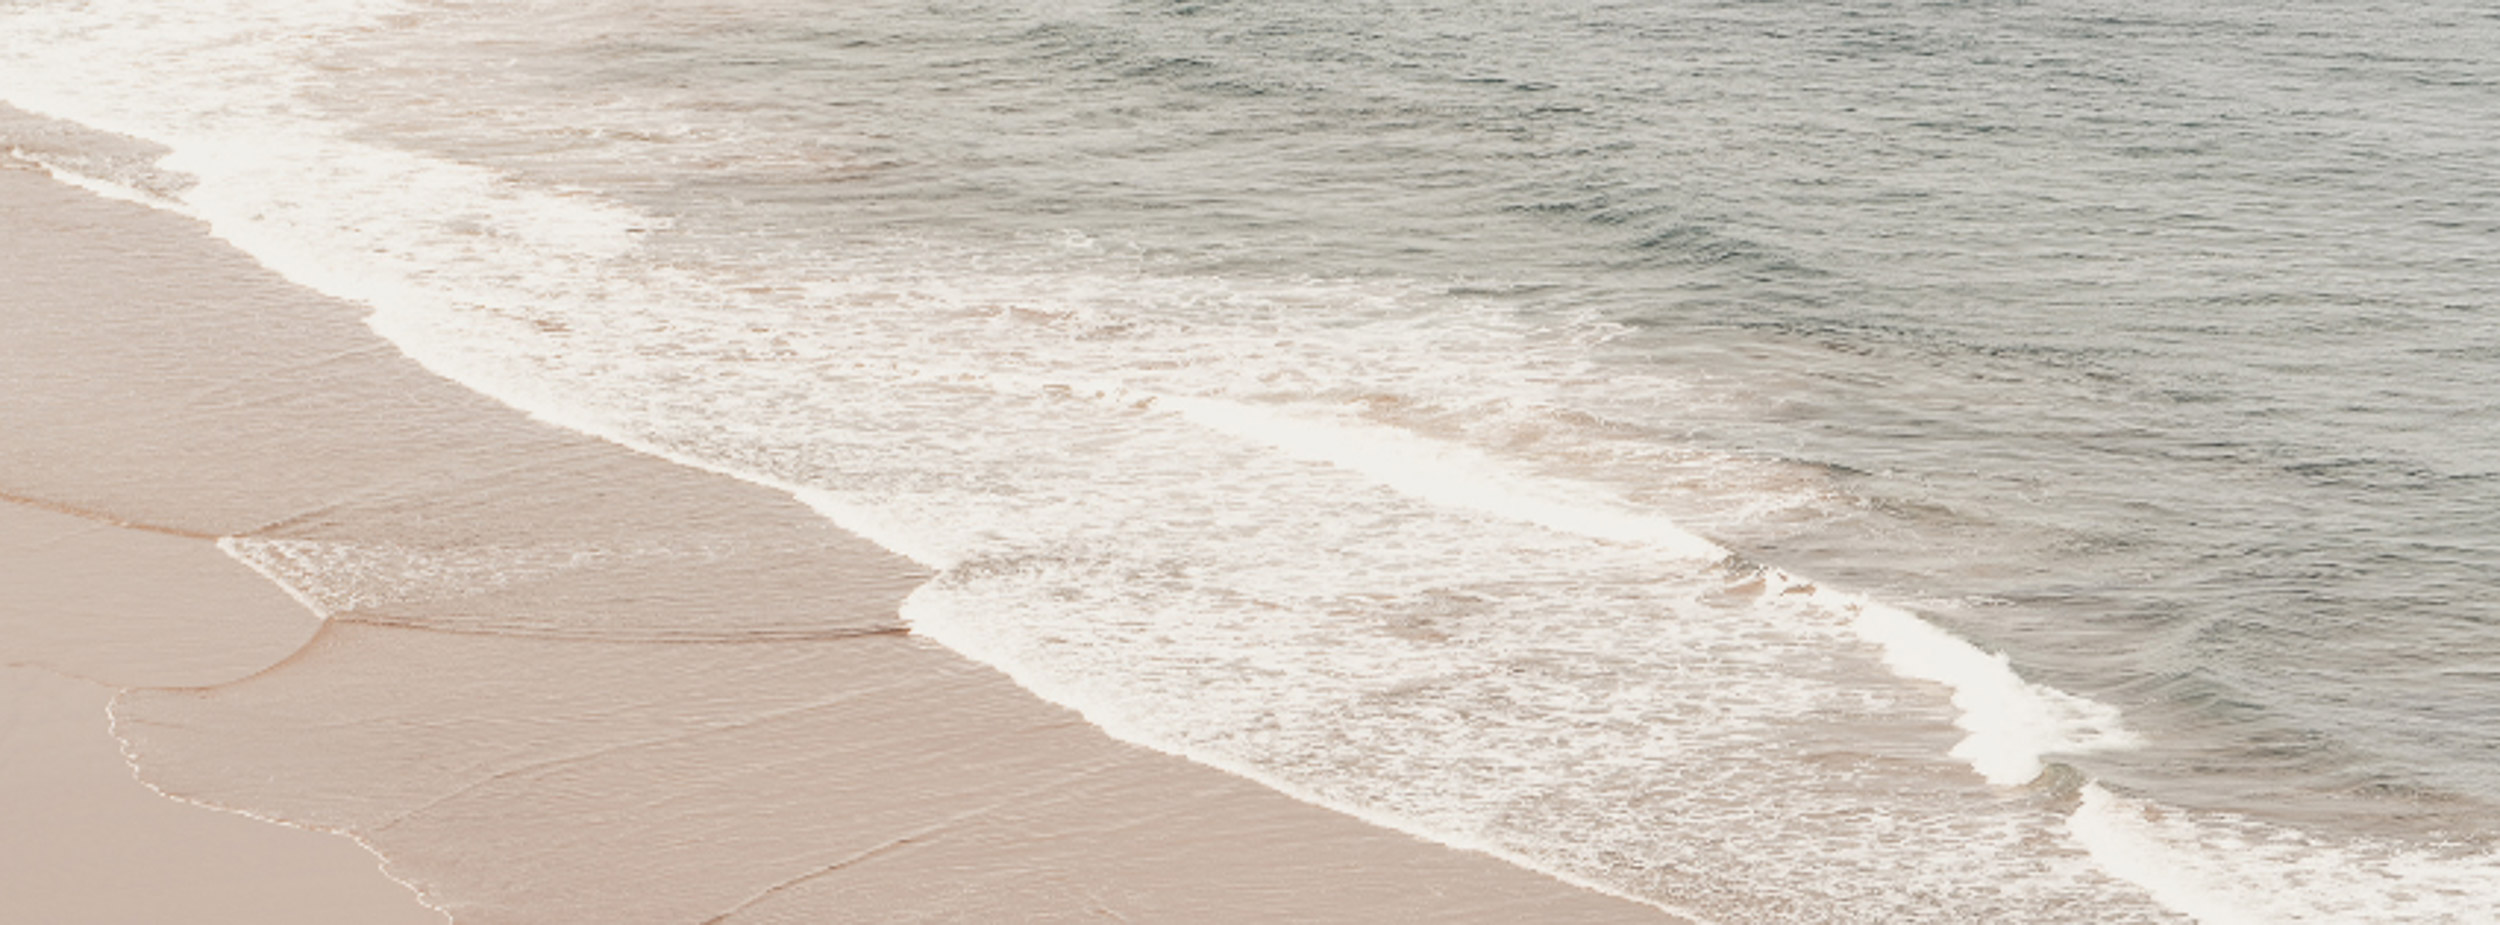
x=501, y=702
x=88, y=840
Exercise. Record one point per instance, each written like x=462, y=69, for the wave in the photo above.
x=1251, y=522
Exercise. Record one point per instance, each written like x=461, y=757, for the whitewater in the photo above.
x=1368, y=516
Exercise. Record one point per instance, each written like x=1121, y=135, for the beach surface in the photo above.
x=510, y=711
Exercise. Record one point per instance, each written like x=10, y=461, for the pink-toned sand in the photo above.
x=510, y=708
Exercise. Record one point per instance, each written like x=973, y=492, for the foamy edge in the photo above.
x=2010, y=724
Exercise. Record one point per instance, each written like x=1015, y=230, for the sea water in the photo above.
x=1784, y=461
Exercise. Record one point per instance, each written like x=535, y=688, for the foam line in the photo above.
x=2227, y=870
x=2012, y=724
x=456, y=259
x=1449, y=476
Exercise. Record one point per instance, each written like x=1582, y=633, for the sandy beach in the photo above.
x=507, y=714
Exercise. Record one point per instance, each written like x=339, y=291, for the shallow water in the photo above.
x=1431, y=408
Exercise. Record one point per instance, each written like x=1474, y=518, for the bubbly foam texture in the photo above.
x=2230, y=870
x=333, y=578
x=1354, y=539
x=1441, y=475
x=2013, y=724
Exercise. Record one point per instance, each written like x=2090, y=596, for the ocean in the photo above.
x=1782, y=461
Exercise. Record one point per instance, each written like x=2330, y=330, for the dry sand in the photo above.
x=509, y=707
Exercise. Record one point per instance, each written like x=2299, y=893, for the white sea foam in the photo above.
x=2013, y=724
x=1168, y=502
x=1440, y=474
x=332, y=578
x=98, y=185
x=2228, y=870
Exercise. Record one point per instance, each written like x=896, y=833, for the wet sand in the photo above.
x=559, y=681
x=81, y=840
